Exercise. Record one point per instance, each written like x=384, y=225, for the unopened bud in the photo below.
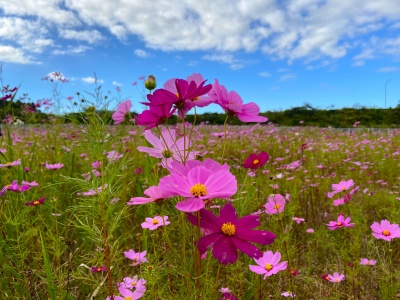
x=150, y=83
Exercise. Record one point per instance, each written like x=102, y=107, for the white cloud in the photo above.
x=388, y=69
x=92, y=80
x=115, y=83
x=234, y=64
x=71, y=50
x=141, y=53
x=89, y=36
x=13, y=55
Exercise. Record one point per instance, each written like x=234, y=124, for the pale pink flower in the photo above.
x=367, y=262
x=54, y=166
x=275, y=204
x=336, y=277
x=122, y=111
x=154, y=223
x=298, y=220
x=268, y=264
x=341, y=222
x=342, y=186
x=137, y=257
x=385, y=230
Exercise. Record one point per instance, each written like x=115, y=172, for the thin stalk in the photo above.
x=223, y=149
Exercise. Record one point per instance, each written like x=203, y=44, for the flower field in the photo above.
x=143, y=210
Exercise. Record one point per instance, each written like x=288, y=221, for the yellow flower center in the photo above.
x=268, y=267
x=256, y=161
x=9, y=163
x=228, y=229
x=336, y=280
x=155, y=221
x=386, y=232
x=198, y=190
x=134, y=283
x=339, y=224
x=98, y=269
x=128, y=298
x=276, y=206
x=36, y=202
x=343, y=188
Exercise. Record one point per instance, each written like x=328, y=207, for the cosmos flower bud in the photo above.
x=150, y=83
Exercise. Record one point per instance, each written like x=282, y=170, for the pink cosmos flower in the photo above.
x=298, y=220
x=233, y=105
x=133, y=283
x=385, y=230
x=255, y=161
x=154, y=223
x=227, y=233
x=11, y=164
x=122, y=111
x=154, y=193
x=367, y=262
x=336, y=277
x=15, y=187
x=114, y=155
x=167, y=146
x=310, y=230
x=342, y=186
x=198, y=181
x=155, y=115
x=128, y=294
x=342, y=201
x=54, y=166
x=137, y=257
x=341, y=222
x=275, y=205
x=289, y=294
x=269, y=264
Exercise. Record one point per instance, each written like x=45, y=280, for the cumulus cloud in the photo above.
x=70, y=50
x=91, y=80
x=289, y=30
x=13, y=55
x=234, y=64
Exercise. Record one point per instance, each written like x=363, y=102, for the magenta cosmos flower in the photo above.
x=275, y=204
x=336, y=277
x=198, y=181
x=183, y=94
x=167, y=147
x=154, y=223
x=385, y=230
x=341, y=222
x=122, y=112
x=228, y=233
x=268, y=264
x=10, y=164
x=155, y=115
x=36, y=202
x=233, y=105
x=255, y=161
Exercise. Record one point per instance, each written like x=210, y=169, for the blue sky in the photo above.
x=279, y=54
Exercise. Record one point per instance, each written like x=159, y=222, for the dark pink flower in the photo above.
x=155, y=115
x=255, y=161
x=36, y=202
x=228, y=233
x=98, y=269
